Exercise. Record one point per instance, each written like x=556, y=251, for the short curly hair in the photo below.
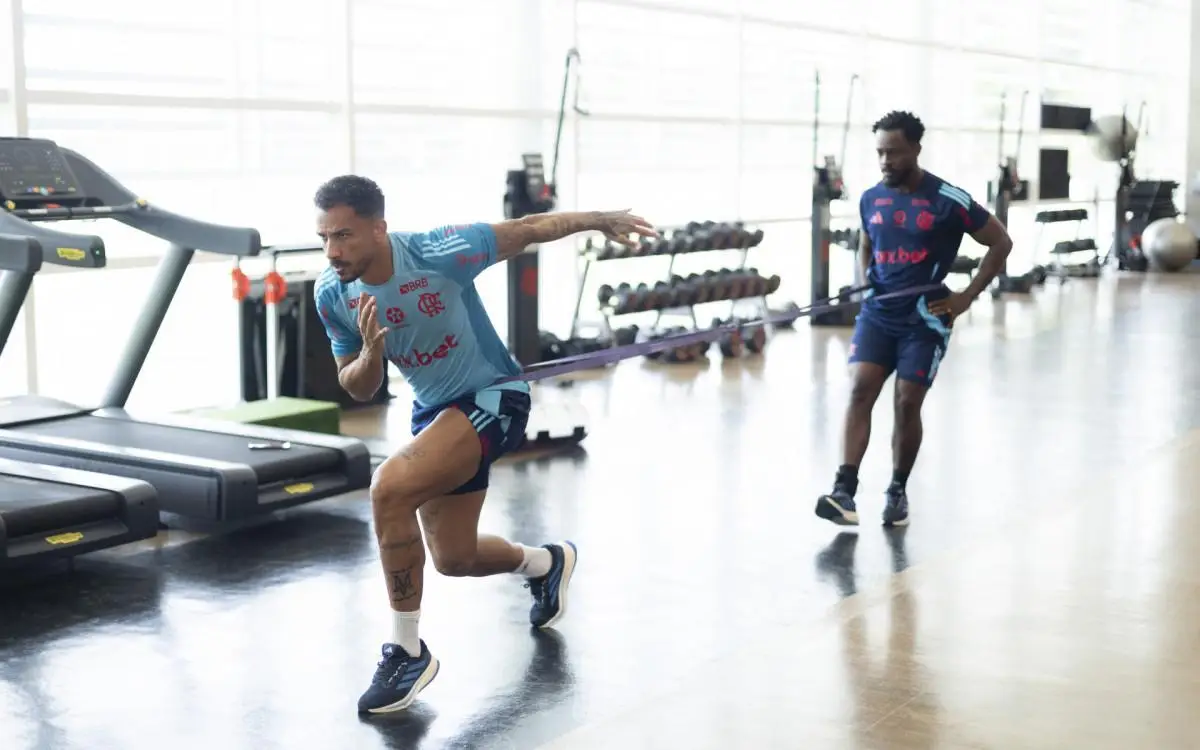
x=905, y=122
x=359, y=193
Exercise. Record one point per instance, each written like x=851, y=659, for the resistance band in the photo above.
x=591, y=360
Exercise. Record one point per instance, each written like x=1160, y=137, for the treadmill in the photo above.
x=203, y=469
x=48, y=512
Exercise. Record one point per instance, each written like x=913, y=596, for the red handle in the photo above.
x=275, y=288
x=241, y=285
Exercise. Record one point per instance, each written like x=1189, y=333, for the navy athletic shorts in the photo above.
x=914, y=353
x=499, y=415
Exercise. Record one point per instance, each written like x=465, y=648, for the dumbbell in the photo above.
x=731, y=344
x=605, y=294
x=647, y=298
x=717, y=285
x=666, y=295
x=698, y=291
x=627, y=300
x=589, y=248
x=733, y=283
x=614, y=250
x=625, y=336
x=645, y=247
x=680, y=243
x=617, y=298
x=755, y=336
x=737, y=235
x=759, y=285
x=718, y=237
x=602, y=252
x=687, y=293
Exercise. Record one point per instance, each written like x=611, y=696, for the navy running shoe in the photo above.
x=398, y=680
x=838, y=507
x=895, y=510
x=550, y=591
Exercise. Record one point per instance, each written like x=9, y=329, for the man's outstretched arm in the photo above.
x=512, y=237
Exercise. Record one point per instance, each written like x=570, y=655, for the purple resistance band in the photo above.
x=591, y=360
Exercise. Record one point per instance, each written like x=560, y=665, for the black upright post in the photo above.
x=827, y=187
x=528, y=194
x=820, y=238
x=524, y=337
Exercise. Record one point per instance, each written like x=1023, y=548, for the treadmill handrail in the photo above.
x=182, y=231
x=72, y=477
x=58, y=247
x=249, y=431
x=177, y=462
x=21, y=255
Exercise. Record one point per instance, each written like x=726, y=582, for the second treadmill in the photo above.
x=49, y=512
x=204, y=469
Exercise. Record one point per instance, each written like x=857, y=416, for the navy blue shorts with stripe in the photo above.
x=499, y=415
x=914, y=355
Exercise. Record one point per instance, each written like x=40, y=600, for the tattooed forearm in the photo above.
x=512, y=237
x=551, y=227
x=401, y=585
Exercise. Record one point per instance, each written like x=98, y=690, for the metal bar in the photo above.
x=162, y=292
x=272, y=315
x=13, y=289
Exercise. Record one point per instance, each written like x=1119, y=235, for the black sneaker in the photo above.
x=398, y=680
x=838, y=507
x=550, y=591
x=895, y=511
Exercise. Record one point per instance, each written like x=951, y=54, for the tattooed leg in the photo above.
x=403, y=555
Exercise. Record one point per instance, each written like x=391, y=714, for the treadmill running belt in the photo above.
x=270, y=466
x=31, y=506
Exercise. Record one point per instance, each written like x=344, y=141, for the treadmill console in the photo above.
x=34, y=172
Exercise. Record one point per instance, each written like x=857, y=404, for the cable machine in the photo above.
x=528, y=193
x=828, y=186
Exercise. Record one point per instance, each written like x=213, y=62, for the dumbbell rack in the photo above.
x=681, y=242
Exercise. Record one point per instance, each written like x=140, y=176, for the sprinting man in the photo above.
x=410, y=299
x=913, y=223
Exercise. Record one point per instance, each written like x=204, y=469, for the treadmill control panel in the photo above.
x=33, y=170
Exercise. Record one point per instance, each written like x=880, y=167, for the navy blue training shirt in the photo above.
x=915, y=238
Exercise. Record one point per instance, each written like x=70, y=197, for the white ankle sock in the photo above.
x=536, y=563
x=404, y=631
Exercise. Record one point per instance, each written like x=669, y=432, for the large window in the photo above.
x=235, y=110
x=192, y=363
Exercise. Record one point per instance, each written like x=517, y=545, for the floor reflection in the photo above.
x=711, y=609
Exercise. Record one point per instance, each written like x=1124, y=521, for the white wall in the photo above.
x=234, y=110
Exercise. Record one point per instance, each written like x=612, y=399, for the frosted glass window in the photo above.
x=255, y=48
x=658, y=62
x=449, y=53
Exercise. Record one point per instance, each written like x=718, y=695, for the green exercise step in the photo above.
x=291, y=413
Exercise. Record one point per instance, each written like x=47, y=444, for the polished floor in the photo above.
x=1044, y=597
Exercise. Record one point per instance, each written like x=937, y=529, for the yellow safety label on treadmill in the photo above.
x=298, y=489
x=72, y=254
x=68, y=538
